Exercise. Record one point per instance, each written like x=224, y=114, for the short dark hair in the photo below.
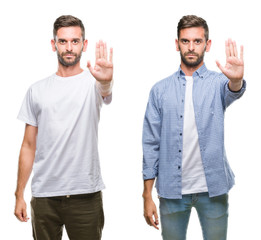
x=67, y=21
x=192, y=21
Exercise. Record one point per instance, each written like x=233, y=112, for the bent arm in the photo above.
x=26, y=159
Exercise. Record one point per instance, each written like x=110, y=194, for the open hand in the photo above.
x=234, y=68
x=103, y=69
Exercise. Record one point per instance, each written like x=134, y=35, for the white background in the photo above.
x=142, y=34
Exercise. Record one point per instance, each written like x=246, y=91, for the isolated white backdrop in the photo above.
x=142, y=34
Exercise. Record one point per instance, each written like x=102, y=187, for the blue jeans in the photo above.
x=212, y=213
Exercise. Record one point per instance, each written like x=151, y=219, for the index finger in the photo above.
x=97, y=51
x=227, y=49
x=153, y=223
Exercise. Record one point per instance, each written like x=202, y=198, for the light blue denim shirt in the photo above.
x=163, y=127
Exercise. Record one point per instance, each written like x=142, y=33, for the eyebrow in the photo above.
x=196, y=39
x=63, y=39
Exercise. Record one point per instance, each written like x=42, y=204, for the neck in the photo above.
x=189, y=70
x=68, y=71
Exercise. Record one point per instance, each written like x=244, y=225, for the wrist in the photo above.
x=235, y=86
x=104, y=87
x=147, y=196
x=19, y=195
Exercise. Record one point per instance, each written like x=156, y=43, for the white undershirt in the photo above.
x=193, y=175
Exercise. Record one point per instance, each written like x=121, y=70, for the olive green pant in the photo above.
x=82, y=215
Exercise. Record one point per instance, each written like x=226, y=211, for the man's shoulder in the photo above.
x=163, y=83
x=42, y=82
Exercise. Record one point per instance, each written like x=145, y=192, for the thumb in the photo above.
x=90, y=67
x=220, y=66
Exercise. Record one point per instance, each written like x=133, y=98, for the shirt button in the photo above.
x=180, y=134
x=178, y=167
x=179, y=150
x=180, y=116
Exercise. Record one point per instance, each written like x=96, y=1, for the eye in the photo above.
x=184, y=41
x=75, y=41
x=62, y=41
x=198, y=41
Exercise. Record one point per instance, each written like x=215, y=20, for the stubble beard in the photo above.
x=62, y=58
x=194, y=63
x=67, y=63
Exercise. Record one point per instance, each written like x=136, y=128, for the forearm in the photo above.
x=25, y=166
x=147, y=192
x=104, y=87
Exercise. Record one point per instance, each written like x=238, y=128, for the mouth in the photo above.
x=191, y=54
x=69, y=55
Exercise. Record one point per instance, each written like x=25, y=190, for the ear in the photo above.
x=208, y=45
x=53, y=45
x=85, y=44
x=177, y=45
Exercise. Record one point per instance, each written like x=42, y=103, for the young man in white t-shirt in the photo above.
x=61, y=114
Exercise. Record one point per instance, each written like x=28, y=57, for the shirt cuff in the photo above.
x=149, y=173
x=240, y=90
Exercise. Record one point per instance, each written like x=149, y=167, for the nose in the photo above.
x=69, y=46
x=191, y=46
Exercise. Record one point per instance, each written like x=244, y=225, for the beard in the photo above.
x=192, y=63
x=71, y=62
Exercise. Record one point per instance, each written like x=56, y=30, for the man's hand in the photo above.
x=234, y=68
x=103, y=69
x=20, y=210
x=150, y=213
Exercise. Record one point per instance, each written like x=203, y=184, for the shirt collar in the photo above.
x=199, y=72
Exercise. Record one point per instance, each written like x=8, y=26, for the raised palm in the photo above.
x=234, y=68
x=103, y=69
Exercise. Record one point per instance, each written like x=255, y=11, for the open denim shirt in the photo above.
x=163, y=127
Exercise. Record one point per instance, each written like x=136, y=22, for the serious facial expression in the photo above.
x=192, y=46
x=69, y=45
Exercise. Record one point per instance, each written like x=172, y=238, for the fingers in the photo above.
x=150, y=221
x=150, y=214
x=101, y=51
x=21, y=215
x=227, y=49
x=231, y=49
x=97, y=51
x=111, y=55
x=90, y=67
x=220, y=66
x=241, y=52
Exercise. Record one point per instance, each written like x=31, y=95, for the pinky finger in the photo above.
x=241, y=52
x=111, y=54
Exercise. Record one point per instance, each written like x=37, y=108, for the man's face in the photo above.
x=192, y=46
x=69, y=45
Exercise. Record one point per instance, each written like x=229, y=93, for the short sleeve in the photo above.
x=27, y=113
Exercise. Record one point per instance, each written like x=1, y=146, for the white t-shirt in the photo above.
x=66, y=111
x=193, y=175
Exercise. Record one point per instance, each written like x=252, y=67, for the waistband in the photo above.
x=75, y=196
